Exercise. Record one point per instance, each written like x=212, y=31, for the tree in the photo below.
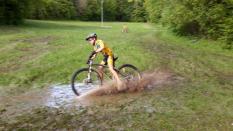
x=139, y=12
x=80, y=6
x=13, y=11
x=124, y=10
x=92, y=11
x=204, y=18
x=53, y=9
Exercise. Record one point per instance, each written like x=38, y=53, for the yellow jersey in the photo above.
x=106, y=50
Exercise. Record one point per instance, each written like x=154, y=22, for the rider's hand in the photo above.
x=92, y=54
x=88, y=61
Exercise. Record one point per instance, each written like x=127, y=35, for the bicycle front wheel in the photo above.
x=80, y=81
x=129, y=72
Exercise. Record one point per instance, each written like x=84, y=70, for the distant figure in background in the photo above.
x=125, y=29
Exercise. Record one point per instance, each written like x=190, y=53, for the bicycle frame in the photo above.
x=87, y=78
x=90, y=64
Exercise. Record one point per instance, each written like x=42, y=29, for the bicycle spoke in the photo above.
x=81, y=82
x=129, y=72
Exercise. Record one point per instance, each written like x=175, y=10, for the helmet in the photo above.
x=92, y=35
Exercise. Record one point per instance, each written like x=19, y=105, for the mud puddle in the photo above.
x=55, y=96
x=62, y=96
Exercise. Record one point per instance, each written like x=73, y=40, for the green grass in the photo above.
x=39, y=53
x=45, y=52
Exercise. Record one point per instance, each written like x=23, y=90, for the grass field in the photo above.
x=41, y=53
x=47, y=52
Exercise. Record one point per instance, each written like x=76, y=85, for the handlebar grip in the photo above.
x=92, y=54
x=88, y=61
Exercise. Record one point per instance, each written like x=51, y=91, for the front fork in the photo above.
x=89, y=73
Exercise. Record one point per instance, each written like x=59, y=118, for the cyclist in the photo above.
x=101, y=47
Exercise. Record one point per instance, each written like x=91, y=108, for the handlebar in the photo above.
x=89, y=62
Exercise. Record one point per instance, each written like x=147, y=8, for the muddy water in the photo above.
x=61, y=96
x=55, y=96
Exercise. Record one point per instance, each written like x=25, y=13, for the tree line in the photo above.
x=203, y=18
x=14, y=11
x=211, y=19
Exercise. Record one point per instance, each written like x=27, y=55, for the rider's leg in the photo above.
x=120, y=85
x=101, y=70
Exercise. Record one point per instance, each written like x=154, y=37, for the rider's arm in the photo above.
x=99, y=50
x=100, y=46
x=93, y=56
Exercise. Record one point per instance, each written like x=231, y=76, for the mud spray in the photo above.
x=62, y=96
x=149, y=80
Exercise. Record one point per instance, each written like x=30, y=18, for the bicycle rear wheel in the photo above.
x=129, y=72
x=80, y=80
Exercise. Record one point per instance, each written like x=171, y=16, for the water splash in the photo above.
x=59, y=95
x=149, y=80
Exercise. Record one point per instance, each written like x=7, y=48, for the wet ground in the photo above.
x=57, y=97
x=54, y=96
x=61, y=95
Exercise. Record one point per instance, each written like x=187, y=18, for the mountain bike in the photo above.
x=91, y=76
